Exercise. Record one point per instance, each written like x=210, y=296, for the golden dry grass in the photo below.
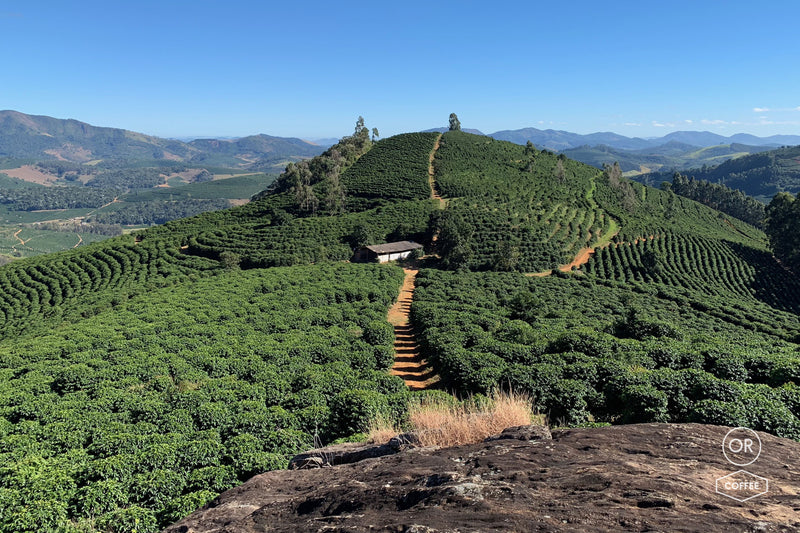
x=439, y=422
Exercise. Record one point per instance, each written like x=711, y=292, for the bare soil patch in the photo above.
x=408, y=361
x=31, y=174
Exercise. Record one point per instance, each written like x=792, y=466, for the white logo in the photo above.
x=742, y=486
x=741, y=446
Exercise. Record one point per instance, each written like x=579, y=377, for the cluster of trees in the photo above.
x=783, y=229
x=717, y=196
x=622, y=187
x=146, y=412
x=118, y=175
x=39, y=198
x=591, y=353
x=158, y=211
x=302, y=178
x=129, y=179
x=760, y=175
x=92, y=228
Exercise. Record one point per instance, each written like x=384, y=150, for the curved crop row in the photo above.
x=395, y=168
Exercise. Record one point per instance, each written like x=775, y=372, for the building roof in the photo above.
x=394, y=247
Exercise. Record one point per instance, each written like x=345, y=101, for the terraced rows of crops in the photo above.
x=629, y=353
x=312, y=239
x=479, y=167
x=508, y=199
x=543, y=240
x=395, y=168
x=130, y=419
x=44, y=286
x=132, y=390
x=700, y=265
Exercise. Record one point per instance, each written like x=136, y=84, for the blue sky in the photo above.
x=308, y=69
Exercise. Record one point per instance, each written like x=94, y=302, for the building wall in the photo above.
x=385, y=258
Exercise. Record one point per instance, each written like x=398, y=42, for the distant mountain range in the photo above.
x=41, y=137
x=761, y=175
x=560, y=140
x=563, y=140
x=680, y=150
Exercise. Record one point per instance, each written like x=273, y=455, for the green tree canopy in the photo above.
x=455, y=124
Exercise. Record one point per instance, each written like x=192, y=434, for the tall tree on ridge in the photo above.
x=455, y=124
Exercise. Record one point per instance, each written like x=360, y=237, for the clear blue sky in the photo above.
x=308, y=69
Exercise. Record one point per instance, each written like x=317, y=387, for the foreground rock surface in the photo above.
x=647, y=477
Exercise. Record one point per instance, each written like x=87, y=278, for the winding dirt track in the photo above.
x=585, y=254
x=408, y=361
x=431, y=178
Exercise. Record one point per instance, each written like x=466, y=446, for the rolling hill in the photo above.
x=760, y=175
x=145, y=374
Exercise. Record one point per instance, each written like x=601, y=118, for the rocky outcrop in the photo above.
x=648, y=477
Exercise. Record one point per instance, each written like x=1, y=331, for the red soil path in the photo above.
x=408, y=361
x=586, y=253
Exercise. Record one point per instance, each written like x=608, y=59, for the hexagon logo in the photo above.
x=742, y=486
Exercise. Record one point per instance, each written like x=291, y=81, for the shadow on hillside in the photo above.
x=773, y=284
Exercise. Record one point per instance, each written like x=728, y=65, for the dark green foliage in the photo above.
x=309, y=239
x=33, y=198
x=783, y=228
x=315, y=171
x=699, y=265
x=140, y=414
x=761, y=175
x=455, y=124
x=721, y=198
x=142, y=375
x=616, y=353
x=158, y=212
x=506, y=215
x=395, y=168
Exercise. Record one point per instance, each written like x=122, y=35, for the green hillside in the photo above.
x=144, y=374
x=761, y=175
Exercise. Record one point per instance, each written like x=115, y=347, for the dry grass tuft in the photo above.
x=381, y=430
x=446, y=422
